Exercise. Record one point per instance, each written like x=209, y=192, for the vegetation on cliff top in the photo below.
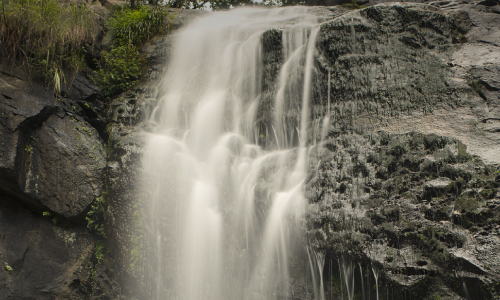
x=56, y=40
x=129, y=28
x=50, y=37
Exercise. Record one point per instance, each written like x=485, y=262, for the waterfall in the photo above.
x=375, y=275
x=225, y=184
x=348, y=276
x=362, y=281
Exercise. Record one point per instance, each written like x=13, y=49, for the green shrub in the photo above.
x=121, y=68
x=96, y=217
x=136, y=26
x=49, y=36
x=353, y=5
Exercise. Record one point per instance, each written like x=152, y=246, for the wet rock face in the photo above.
x=387, y=60
x=417, y=207
x=64, y=165
x=54, y=159
x=394, y=186
x=51, y=169
x=41, y=260
x=413, y=67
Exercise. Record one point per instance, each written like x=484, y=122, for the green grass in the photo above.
x=48, y=36
x=52, y=39
x=136, y=26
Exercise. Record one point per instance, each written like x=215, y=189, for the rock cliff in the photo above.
x=52, y=167
x=406, y=182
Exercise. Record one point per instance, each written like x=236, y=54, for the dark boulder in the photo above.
x=41, y=260
x=51, y=158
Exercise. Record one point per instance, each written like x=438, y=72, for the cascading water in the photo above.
x=223, y=210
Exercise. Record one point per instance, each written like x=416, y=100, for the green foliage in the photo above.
x=96, y=217
x=48, y=36
x=136, y=251
x=28, y=149
x=96, y=223
x=99, y=251
x=8, y=268
x=56, y=219
x=136, y=26
x=121, y=69
x=353, y=5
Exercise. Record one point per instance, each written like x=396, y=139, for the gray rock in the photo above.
x=82, y=89
x=51, y=158
x=64, y=169
x=40, y=260
x=417, y=230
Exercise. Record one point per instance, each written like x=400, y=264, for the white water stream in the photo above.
x=224, y=211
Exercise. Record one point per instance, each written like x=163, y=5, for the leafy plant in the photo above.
x=136, y=26
x=129, y=28
x=96, y=217
x=28, y=149
x=96, y=223
x=8, y=268
x=121, y=68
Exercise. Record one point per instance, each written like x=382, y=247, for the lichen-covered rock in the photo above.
x=412, y=67
x=63, y=165
x=416, y=207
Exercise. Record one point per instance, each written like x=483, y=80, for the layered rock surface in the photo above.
x=394, y=189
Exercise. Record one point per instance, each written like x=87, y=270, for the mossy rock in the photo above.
x=411, y=162
x=433, y=142
x=467, y=202
x=409, y=195
x=438, y=187
x=488, y=193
